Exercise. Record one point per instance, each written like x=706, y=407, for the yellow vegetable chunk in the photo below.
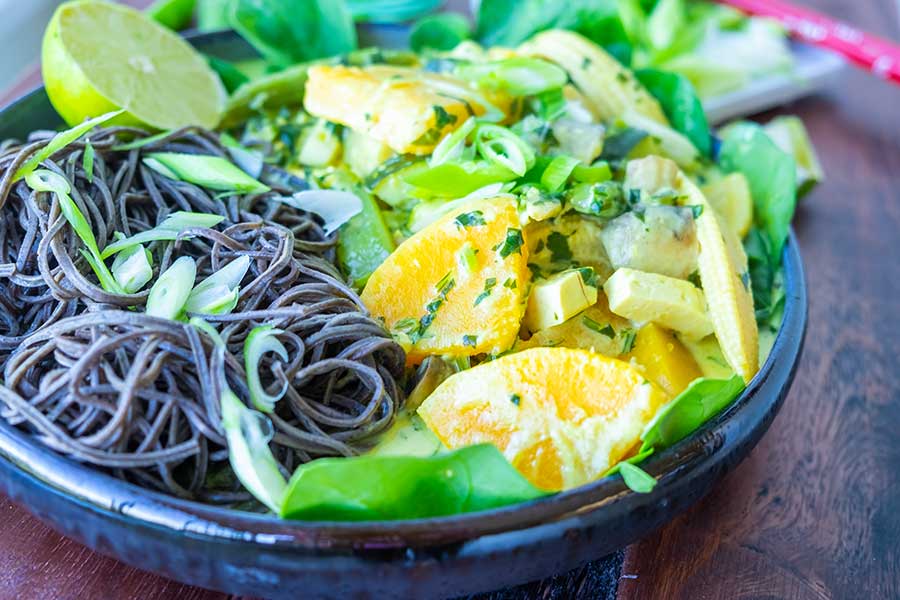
x=556, y=300
x=435, y=303
x=562, y=417
x=726, y=283
x=673, y=303
x=610, y=89
x=404, y=108
x=731, y=198
x=664, y=359
x=596, y=329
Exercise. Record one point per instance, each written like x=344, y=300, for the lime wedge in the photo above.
x=98, y=57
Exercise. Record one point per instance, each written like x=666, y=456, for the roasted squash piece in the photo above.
x=458, y=286
x=663, y=359
x=562, y=417
x=403, y=108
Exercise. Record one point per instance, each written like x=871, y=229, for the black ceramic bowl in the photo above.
x=244, y=553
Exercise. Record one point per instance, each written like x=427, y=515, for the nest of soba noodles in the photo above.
x=91, y=376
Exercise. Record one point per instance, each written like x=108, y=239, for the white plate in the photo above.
x=814, y=68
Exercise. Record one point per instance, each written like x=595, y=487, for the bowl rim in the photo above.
x=98, y=491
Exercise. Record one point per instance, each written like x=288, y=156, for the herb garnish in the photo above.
x=510, y=283
x=559, y=247
x=470, y=340
x=489, y=284
x=442, y=118
x=512, y=243
x=696, y=210
x=515, y=399
x=627, y=341
x=443, y=288
x=470, y=219
x=593, y=325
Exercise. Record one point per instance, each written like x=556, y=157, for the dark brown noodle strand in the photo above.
x=91, y=376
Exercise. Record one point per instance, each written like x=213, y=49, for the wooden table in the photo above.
x=814, y=512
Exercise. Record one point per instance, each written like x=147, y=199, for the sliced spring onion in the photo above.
x=87, y=161
x=557, y=173
x=218, y=293
x=519, y=76
x=451, y=147
x=43, y=180
x=336, y=207
x=169, y=229
x=141, y=142
x=211, y=172
x=596, y=173
x=250, y=161
x=502, y=147
x=426, y=213
x=260, y=341
x=248, y=433
x=60, y=141
x=468, y=259
x=133, y=268
x=456, y=179
x=171, y=290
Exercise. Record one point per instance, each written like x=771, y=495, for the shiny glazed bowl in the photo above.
x=245, y=553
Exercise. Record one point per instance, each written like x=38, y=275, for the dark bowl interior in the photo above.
x=245, y=553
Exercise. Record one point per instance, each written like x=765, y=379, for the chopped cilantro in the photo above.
x=695, y=279
x=489, y=284
x=696, y=210
x=510, y=283
x=406, y=325
x=593, y=325
x=445, y=284
x=539, y=246
x=559, y=247
x=588, y=276
x=470, y=219
x=745, y=279
x=443, y=288
x=536, y=271
x=627, y=341
x=515, y=399
x=442, y=118
x=512, y=243
x=470, y=340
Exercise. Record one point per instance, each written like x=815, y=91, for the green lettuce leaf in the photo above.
x=771, y=174
x=681, y=105
x=400, y=487
x=701, y=401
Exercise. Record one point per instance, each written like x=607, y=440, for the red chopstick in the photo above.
x=870, y=52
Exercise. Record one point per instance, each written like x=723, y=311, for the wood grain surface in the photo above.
x=814, y=512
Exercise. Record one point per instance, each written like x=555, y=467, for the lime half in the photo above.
x=98, y=57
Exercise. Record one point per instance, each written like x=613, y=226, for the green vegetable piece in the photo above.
x=789, y=134
x=283, y=88
x=665, y=21
x=169, y=229
x=218, y=293
x=171, y=290
x=286, y=32
x=557, y=173
x=559, y=247
x=261, y=340
x=605, y=200
x=211, y=172
x=458, y=179
x=772, y=176
x=395, y=487
x=519, y=76
x=511, y=22
x=212, y=15
x=679, y=101
x=504, y=148
x=595, y=173
x=43, y=180
x=60, y=141
x=702, y=400
x=87, y=161
x=442, y=31
x=397, y=11
x=512, y=244
x=174, y=14
x=232, y=77
x=133, y=268
x=636, y=478
x=470, y=219
x=364, y=241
